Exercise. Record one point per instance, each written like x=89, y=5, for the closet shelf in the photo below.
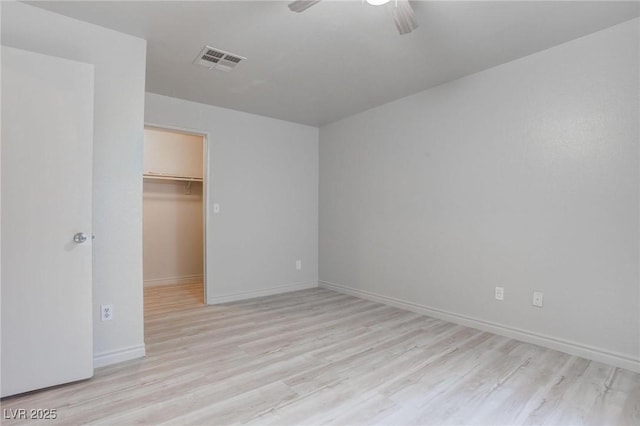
x=158, y=176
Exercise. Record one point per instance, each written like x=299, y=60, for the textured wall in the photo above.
x=264, y=175
x=173, y=235
x=523, y=176
x=119, y=62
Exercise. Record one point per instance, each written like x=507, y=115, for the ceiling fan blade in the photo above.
x=403, y=16
x=302, y=5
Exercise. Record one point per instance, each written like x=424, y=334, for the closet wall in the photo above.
x=172, y=207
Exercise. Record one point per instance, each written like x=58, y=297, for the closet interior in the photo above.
x=173, y=226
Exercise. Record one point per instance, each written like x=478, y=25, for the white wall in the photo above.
x=0, y=203
x=119, y=62
x=173, y=233
x=172, y=153
x=173, y=240
x=524, y=176
x=264, y=174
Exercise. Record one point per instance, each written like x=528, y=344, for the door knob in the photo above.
x=80, y=237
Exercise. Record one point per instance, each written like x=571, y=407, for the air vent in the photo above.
x=211, y=58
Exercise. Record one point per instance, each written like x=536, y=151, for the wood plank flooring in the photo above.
x=319, y=357
x=162, y=299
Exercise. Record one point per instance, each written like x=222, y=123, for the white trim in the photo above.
x=563, y=345
x=119, y=355
x=205, y=186
x=205, y=208
x=232, y=297
x=187, y=279
x=176, y=128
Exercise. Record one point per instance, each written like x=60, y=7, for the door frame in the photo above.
x=205, y=191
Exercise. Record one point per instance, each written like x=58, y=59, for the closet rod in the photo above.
x=169, y=177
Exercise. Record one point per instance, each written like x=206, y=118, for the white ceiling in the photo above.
x=339, y=57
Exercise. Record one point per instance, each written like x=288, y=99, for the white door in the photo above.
x=47, y=138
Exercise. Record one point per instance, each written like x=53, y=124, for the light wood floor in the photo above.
x=320, y=357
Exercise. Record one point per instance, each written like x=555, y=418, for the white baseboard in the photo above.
x=119, y=355
x=232, y=297
x=573, y=348
x=187, y=279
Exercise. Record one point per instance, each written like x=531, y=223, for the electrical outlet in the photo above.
x=106, y=312
x=538, y=298
x=298, y=264
x=500, y=293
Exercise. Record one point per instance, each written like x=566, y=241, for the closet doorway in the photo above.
x=174, y=205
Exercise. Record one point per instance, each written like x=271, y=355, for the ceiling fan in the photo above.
x=403, y=15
